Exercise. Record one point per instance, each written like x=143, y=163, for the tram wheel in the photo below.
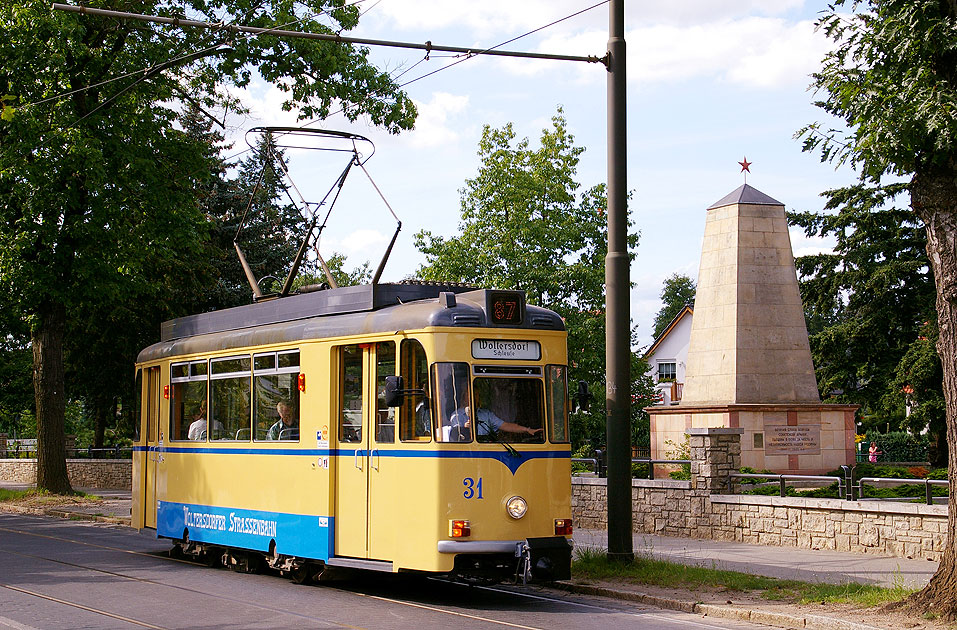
x=301, y=574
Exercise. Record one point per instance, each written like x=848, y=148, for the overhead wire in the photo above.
x=466, y=57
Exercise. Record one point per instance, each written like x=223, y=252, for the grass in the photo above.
x=591, y=564
x=14, y=495
x=33, y=496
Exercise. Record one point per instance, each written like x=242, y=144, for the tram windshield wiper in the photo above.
x=494, y=436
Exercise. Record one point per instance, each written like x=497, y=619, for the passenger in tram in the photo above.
x=287, y=427
x=197, y=430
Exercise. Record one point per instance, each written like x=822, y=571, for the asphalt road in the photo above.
x=62, y=574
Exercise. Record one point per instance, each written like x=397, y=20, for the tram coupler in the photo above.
x=546, y=559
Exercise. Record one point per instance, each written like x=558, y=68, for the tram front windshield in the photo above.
x=488, y=409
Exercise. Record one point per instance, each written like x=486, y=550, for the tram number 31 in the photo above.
x=473, y=488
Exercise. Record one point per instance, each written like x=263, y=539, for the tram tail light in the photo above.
x=166, y=392
x=459, y=529
x=302, y=382
x=563, y=527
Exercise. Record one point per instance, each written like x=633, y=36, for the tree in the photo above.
x=869, y=304
x=96, y=180
x=525, y=225
x=892, y=78
x=678, y=290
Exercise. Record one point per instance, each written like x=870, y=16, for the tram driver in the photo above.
x=287, y=427
x=488, y=424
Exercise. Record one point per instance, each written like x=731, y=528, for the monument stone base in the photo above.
x=791, y=438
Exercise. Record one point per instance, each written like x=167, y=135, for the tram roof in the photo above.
x=338, y=312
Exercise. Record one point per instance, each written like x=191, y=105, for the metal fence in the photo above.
x=17, y=451
x=599, y=466
x=847, y=488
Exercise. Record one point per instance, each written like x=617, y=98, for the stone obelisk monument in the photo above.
x=749, y=363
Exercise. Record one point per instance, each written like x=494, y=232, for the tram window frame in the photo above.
x=230, y=377
x=183, y=377
x=282, y=369
x=451, y=391
x=557, y=432
x=351, y=433
x=415, y=413
x=385, y=417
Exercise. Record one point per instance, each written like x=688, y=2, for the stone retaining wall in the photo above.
x=697, y=509
x=84, y=473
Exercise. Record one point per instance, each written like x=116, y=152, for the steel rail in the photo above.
x=256, y=30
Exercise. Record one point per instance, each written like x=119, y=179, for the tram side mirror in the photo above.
x=393, y=391
x=583, y=397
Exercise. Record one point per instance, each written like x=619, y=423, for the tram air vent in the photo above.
x=466, y=319
x=542, y=321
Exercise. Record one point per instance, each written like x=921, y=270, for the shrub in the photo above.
x=899, y=446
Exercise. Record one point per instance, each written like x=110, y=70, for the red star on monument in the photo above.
x=745, y=166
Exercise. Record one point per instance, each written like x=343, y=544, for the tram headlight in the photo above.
x=516, y=507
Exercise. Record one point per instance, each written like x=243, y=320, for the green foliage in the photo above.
x=102, y=233
x=899, y=446
x=868, y=300
x=677, y=292
x=16, y=395
x=526, y=225
x=891, y=77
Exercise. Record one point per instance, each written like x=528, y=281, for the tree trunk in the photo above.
x=934, y=198
x=101, y=412
x=48, y=387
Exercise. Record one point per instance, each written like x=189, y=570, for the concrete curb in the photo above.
x=67, y=514
x=765, y=617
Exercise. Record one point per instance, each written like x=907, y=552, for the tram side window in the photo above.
x=187, y=401
x=276, y=396
x=501, y=401
x=415, y=414
x=229, y=398
x=450, y=391
x=557, y=403
x=385, y=416
x=350, y=393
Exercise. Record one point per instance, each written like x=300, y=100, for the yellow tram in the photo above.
x=392, y=427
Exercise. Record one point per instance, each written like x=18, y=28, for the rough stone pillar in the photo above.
x=69, y=444
x=715, y=454
x=3, y=445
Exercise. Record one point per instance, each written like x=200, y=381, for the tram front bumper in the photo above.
x=540, y=559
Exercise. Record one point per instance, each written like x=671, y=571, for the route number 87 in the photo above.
x=473, y=488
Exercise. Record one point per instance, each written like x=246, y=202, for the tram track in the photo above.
x=276, y=610
x=203, y=593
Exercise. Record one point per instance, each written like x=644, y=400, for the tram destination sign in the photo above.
x=506, y=349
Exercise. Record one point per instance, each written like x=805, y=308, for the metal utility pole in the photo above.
x=617, y=298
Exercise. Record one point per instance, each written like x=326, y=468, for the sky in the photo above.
x=710, y=82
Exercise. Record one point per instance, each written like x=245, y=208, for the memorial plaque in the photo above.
x=803, y=439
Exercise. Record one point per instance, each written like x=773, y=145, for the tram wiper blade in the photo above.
x=511, y=449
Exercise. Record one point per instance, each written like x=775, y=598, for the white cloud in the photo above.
x=754, y=52
x=502, y=19
x=433, y=126
x=803, y=245
x=362, y=244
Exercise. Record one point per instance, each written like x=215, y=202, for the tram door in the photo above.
x=366, y=429
x=352, y=466
x=152, y=428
